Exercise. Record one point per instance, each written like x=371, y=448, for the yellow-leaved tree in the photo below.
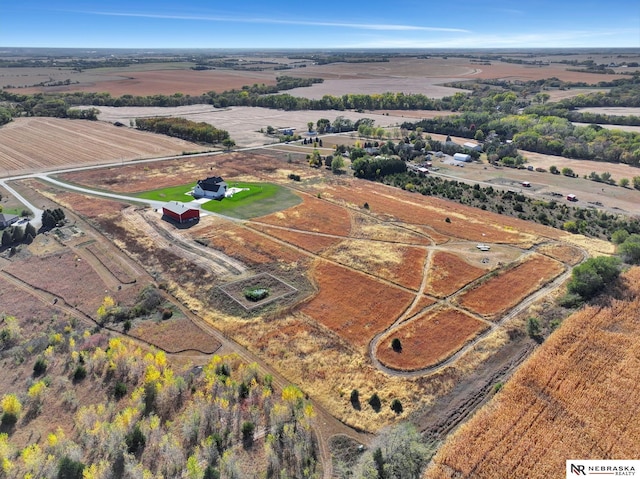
x=11, y=409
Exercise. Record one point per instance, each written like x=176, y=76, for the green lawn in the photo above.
x=174, y=193
x=261, y=199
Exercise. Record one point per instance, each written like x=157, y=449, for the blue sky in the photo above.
x=325, y=24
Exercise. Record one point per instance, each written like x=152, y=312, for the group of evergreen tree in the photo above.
x=16, y=234
x=52, y=218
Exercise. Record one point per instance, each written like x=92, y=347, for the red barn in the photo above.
x=180, y=212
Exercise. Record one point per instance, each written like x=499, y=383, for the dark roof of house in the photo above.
x=213, y=183
x=177, y=207
x=4, y=217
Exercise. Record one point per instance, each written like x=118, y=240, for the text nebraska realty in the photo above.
x=581, y=469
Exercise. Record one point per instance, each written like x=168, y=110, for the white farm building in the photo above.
x=462, y=157
x=213, y=187
x=472, y=146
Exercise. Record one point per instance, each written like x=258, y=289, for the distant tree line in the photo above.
x=542, y=134
x=199, y=132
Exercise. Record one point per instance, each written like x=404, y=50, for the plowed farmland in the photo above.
x=37, y=144
x=428, y=339
x=576, y=397
x=507, y=289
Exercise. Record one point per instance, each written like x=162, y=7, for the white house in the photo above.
x=213, y=187
x=462, y=157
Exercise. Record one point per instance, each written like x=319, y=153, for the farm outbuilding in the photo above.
x=472, y=146
x=213, y=187
x=180, y=212
x=462, y=157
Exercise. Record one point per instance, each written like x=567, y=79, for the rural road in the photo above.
x=37, y=213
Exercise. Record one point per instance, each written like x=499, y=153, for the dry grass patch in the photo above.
x=576, y=397
x=243, y=244
x=175, y=335
x=313, y=215
x=428, y=339
x=312, y=242
x=423, y=302
x=133, y=178
x=67, y=276
x=449, y=273
x=393, y=204
x=563, y=252
x=368, y=227
x=402, y=265
x=353, y=305
x=508, y=288
x=85, y=205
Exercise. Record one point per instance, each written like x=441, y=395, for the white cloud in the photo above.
x=273, y=21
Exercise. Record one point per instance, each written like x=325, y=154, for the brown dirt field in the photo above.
x=402, y=265
x=242, y=243
x=165, y=82
x=562, y=252
x=352, y=305
x=575, y=397
x=407, y=74
x=175, y=335
x=307, y=241
x=313, y=215
x=490, y=298
x=428, y=339
x=40, y=144
x=72, y=279
x=449, y=273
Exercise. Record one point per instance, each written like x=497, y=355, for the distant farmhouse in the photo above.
x=180, y=212
x=7, y=220
x=472, y=146
x=213, y=187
